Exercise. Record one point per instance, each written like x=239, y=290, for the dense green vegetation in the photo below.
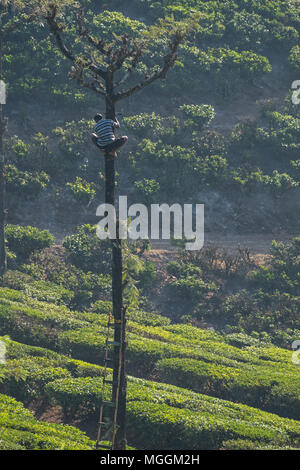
x=210, y=361
x=231, y=50
x=265, y=301
x=178, y=354
x=21, y=431
x=153, y=408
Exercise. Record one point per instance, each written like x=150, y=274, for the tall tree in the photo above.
x=12, y=15
x=104, y=66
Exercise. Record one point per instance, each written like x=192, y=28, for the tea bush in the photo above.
x=24, y=183
x=23, y=241
x=197, y=116
x=82, y=191
x=19, y=430
x=177, y=352
x=87, y=251
x=153, y=408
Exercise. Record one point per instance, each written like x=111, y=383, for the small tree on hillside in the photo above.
x=104, y=66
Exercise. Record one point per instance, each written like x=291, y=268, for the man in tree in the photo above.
x=104, y=136
x=103, y=66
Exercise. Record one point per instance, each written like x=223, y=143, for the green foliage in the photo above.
x=283, y=133
x=114, y=24
x=197, y=116
x=190, y=285
x=147, y=276
x=230, y=49
x=82, y=191
x=73, y=139
x=147, y=190
x=87, y=251
x=226, y=68
x=233, y=382
x=195, y=420
x=41, y=290
x=294, y=57
x=25, y=240
x=210, y=363
x=24, y=183
x=19, y=430
x=171, y=163
x=212, y=170
x=152, y=125
x=283, y=273
x=55, y=268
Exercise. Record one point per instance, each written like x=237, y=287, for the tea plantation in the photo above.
x=55, y=356
x=210, y=333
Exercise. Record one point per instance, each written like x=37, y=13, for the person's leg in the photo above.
x=110, y=149
x=94, y=138
x=118, y=143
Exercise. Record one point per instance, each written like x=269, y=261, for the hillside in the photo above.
x=40, y=377
x=235, y=149
x=210, y=333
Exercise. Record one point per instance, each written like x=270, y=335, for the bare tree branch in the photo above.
x=134, y=55
x=57, y=29
x=98, y=44
x=168, y=62
x=95, y=85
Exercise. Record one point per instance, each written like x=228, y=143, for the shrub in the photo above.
x=209, y=143
x=294, y=57
x=197, y=116
x=19, y=430
x=212, y=170
x=233, y=383
x=53, y=266
x=87, y=251
x=175, y=352
x=40, y=290
x=25, y=240
x=73, y=139
x=25, y=379
x=190, y=289
x=154, y=125
x=147, y=190
x=82, y=191
x=25, y=183
x=153, y=409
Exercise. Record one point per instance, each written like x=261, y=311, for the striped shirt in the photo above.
x=105, y=132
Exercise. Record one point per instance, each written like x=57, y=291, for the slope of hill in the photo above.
x=209, y=333
x=262, y=376
x=222, y=130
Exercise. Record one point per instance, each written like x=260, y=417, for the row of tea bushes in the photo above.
x=167, y=417
x=31, y=372
x=192, y=357
x=19, y=430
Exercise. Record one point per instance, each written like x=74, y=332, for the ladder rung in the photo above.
x=111, y=382
x=113, y=325
x=104, y=446
x=113, y=343
x=105, y=423
x=109, y=403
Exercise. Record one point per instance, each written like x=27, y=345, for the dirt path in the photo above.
x=257, y=243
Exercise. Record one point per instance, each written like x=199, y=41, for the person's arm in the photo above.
x=117, y=124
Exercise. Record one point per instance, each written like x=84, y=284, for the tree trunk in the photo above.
x=3, y=126
x=119, y=395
